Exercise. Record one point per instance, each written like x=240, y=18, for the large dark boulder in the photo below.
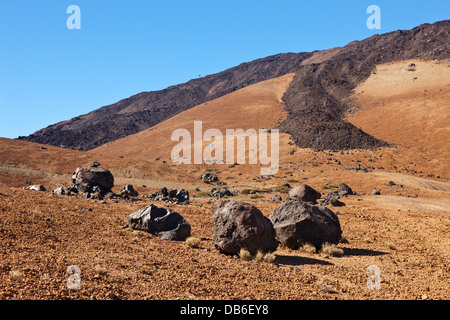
x=87, y=179
x=305, y=193
x=162, y=222
x=297, y=222
x=242, y=225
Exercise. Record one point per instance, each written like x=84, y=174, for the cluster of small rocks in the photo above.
x=171, y=196
x=333, y=197
x=96, y=183
x=209, y=177
x=362, y=168
x=221, y=192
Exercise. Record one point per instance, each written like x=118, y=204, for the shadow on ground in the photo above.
x=362, y=252
x=296, y=260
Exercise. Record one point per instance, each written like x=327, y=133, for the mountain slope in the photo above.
x=256, y=106
x=317, y=97
x=146, y=109
x=407, y=103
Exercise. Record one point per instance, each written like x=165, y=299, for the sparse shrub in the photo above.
x=322, y=286
x=331, y=250
x=282, y=189
x=245, y=255
x=15, y=275
x=307, y=247
x=269, y=257
x=193, y=242
x=259, y=256
x=100, y=270
x=256, y=196
x=245, y=191
x=292, y=180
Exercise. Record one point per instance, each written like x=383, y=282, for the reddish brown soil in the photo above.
x=404, y=231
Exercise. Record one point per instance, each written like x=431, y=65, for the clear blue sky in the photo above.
x=49, y=73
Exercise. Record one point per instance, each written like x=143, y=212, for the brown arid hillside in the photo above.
x=146, y=109
x=407, y=103
x=22, y=161
x=404, y=230
x=257, y=106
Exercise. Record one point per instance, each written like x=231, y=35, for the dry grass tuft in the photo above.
x=15, y=275
x=193, y=242
x=331, y=250
x=269, y=257
x=260, y=256
x=245, y=255
x=308, y=247
x=100, y=270
x=325, y=287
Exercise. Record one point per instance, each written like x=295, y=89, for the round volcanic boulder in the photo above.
x=239, y=225
x=305, y=193
x=297, y=222
x=85, y=179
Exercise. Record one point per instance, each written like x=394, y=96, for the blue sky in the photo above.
x=49, y=73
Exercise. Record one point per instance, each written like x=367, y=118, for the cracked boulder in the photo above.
x=161, y=222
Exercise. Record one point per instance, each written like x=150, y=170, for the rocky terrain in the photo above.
x=363, y=213
x=403, y=230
